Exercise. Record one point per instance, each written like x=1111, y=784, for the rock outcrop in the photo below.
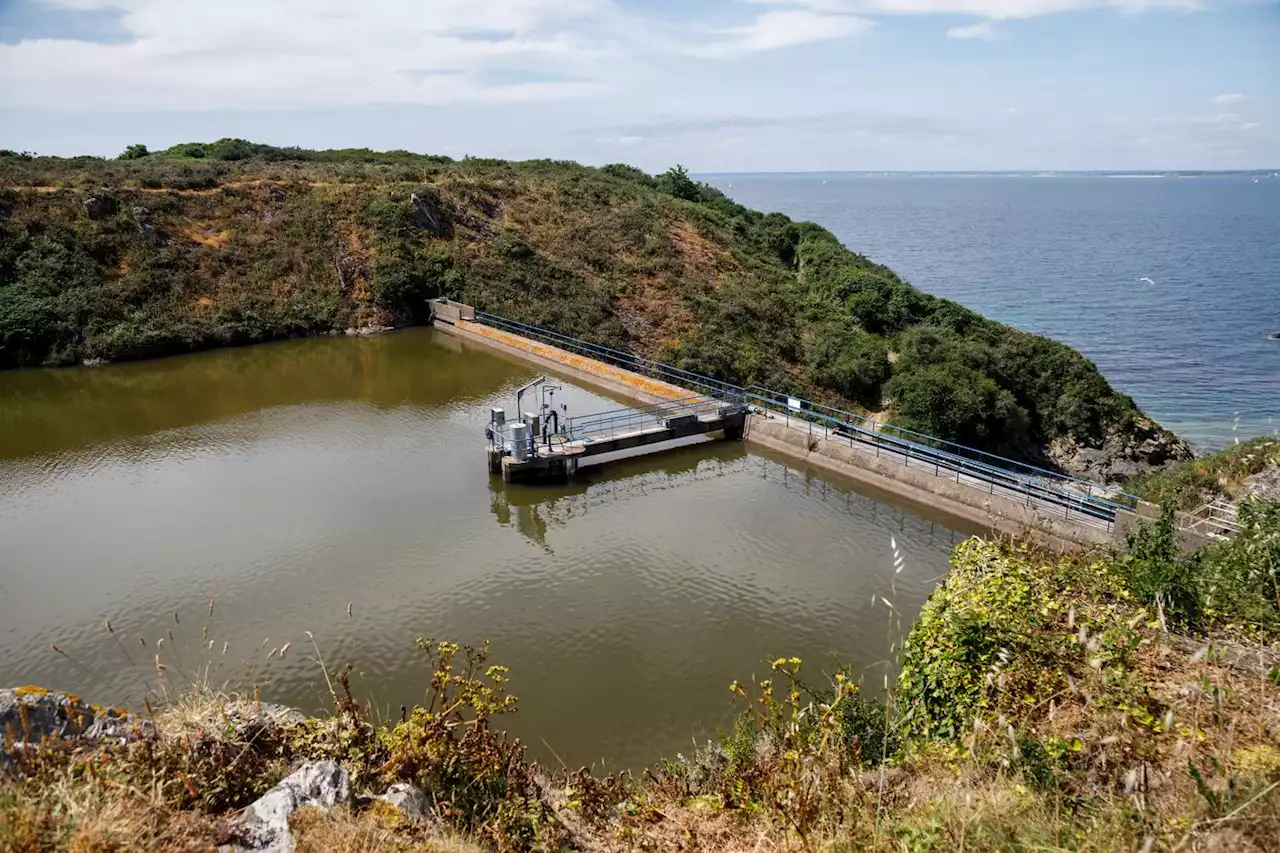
x=142, y=218
x=429, y=214
x=1265, y=484
x=100, y=206
x=408, y=799
x=264, y=826
x=1120, y=455
x=31, y=714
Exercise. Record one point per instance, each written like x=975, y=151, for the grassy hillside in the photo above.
x=1102, y=703
x=231, y=243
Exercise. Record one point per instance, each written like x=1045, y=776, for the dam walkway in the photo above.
x=992, y=483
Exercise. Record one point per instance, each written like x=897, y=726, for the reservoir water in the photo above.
x=290, y=482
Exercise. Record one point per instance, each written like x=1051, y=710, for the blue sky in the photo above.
x=719, y=85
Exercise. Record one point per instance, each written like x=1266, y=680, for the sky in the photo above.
x=717, y=85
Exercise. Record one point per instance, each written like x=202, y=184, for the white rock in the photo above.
x=407, y=798
x=265, y=824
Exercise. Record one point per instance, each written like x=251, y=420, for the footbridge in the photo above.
x=1009, y=494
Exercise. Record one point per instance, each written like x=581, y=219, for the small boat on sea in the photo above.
x=1274, y=336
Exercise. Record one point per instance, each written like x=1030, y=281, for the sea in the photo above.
x=1170, y=284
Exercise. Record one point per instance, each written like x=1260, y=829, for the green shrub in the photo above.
x=1157, y=574
x=1238, y=581
x=851, y=363
x=629, y=173
x=957, y=403
x=676, y=182
x=1230, y=583
x=406, y=280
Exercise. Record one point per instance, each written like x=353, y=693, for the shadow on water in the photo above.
x=54, y=410
x=337, y=489
x=533, y=509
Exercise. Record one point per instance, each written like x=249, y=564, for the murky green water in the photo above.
x=289, y=481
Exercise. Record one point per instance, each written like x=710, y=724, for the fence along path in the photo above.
x=1051, y=492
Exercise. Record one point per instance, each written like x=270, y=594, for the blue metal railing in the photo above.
x=1038, y=485
x=886, y=432
x=603, y=425
x=1066, y=494
x=618, y=358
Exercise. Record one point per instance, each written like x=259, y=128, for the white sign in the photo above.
x=794, y=404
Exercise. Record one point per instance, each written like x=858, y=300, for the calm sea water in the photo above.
x=1064, y=256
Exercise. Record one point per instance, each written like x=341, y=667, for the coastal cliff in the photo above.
x=230, y=243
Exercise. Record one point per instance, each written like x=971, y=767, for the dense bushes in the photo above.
x=1012, y=628
x=852, y=363
x=239, y=241
x=943, y=386
x=1233, y=582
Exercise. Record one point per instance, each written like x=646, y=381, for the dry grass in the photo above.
x=206, y=236
x=70, y=812
x=345, y=831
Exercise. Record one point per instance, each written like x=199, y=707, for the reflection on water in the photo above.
x=533, y=510
x=288, y=482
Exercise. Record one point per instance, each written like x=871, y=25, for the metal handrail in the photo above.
x=1069, y=499
x=1216, y=519
x=942, y=445
x=583, y=427
x=626, y=360
x=1093, y=499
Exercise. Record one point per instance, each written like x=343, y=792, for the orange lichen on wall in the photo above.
x=605, y=371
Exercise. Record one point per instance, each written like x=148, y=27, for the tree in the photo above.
x=676, y=181
x=958, y=403
x=852, y=363
x=134, y=152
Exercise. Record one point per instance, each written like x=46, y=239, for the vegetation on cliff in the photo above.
x=232, y=242
x=1101, y=703
x=1251, y=467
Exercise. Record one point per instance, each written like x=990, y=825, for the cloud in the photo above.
x=813, y=124
x=1001, y=10
x=1229, y=98
x=1250, y=125
x=818, y=20
x=984, y=30
x=1216, y=118
x=236, y=54
x=196, y=55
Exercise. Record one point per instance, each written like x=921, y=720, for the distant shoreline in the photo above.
x=1250, y=174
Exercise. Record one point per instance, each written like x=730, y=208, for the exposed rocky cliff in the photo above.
x=1121, y=454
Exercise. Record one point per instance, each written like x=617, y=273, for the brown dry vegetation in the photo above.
x=231, y=243
x=1086, y=703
